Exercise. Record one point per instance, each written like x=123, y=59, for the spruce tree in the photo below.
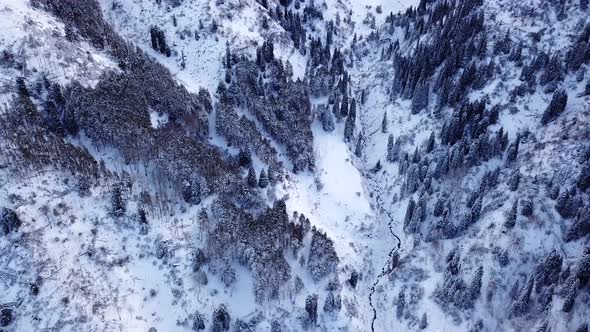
x=475, y=286
x=423, y=322
x=344, y=106
x=358, y=151
x=384, y=123
x=262, y=180
x=511, y=218
x=390, y=149
x=556, y=106
x=326, y=119
x=251, y=179
x=521, y=305
x=118, y=204
x=311, y=307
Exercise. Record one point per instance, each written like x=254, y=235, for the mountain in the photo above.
x=294, y=165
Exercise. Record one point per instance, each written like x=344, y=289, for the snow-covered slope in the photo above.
x=434, y=193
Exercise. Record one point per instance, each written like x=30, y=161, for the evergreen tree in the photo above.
x=344, y=106
x=420, y=99
x=220, y=320
x=475, y=286
x=570, y=297
x=332, y=303
x=390, y=149
x=227, y=76
x=311, y=307
x=358, y=151
x=198, y=322
x=227, y=61
x=423, y=322
x=430, y=144
x=262, y=180
x=118, y=204
x=401, y=304
x=191, y=192
x=245, y=158
x=409, y=212
x=142, y=216
x=513, y=151
x=563, y=204
x=511, y=218
x=9, y=221
x=521, y=305
x=556, y=106
x=326, y=119
x=251, y=179
x=514, y=180
x=349, y=129
x=384, y=123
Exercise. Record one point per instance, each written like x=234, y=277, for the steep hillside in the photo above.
x=294, y=165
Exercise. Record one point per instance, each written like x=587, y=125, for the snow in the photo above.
x=342, y=197
x=36, y=40
x=158, y=120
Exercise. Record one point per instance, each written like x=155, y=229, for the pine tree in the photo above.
x=513, y=151
x=430, y=144
x=311, y=307
x=570, y=298
x=220, y=320
x=349, y=125
x=251, y=179
x=378, y=166
x=326, y=119
x=521, y=305
x=401, y=304
x=118, y=204
x=514, y=180
x=245, y=158
x=344, y=106
x=142, y=216
x=227, y=76
x=227, y=61
x=384, y=123
x=475, y=286
x=563, y=204
x=9, y=221
x=409, y=212
x=358, y=151
x=198, y=322
x=556, y=106
x=262, y=180
x=511, y=218
x=423, y=322
x=390, y=149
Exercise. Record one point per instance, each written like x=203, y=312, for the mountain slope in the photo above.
x=223, y=165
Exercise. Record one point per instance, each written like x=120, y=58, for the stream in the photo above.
x=387, y=267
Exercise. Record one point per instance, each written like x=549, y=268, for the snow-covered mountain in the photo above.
x=294, y=165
